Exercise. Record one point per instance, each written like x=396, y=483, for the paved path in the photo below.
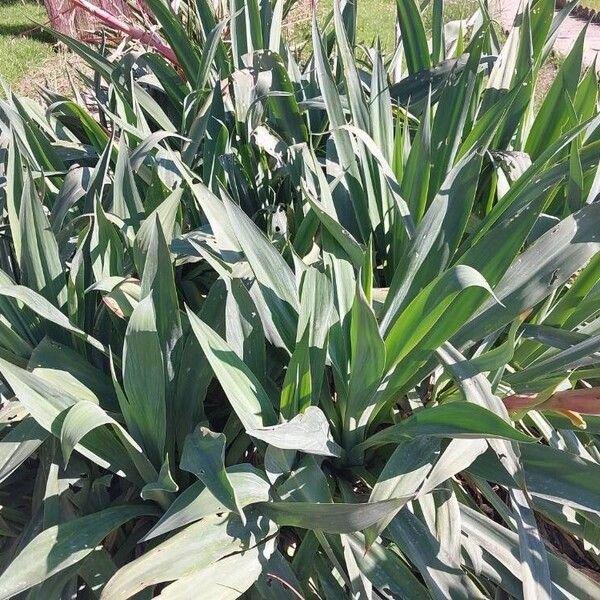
x=506, y=10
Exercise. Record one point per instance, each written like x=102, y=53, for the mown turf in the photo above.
x=376, y=18
x=20, y=53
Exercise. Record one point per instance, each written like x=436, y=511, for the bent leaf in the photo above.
x=330, y=518
x=308, y=432
x=455, y=419
x=204, y=456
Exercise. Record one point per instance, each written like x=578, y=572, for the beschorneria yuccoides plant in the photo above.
x=318, y=322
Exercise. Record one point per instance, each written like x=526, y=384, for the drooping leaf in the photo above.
x=307, y=432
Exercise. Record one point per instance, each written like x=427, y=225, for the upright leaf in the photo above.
x=144, y=380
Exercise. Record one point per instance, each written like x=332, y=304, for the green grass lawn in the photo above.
x=18, y=53
x=378, y=17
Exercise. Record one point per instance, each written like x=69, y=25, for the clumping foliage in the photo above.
x=320, y=324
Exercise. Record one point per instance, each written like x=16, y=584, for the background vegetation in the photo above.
x=21, y=48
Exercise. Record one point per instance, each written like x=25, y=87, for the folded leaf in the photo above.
x=308, y=432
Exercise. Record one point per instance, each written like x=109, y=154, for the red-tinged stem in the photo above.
x=145, y=37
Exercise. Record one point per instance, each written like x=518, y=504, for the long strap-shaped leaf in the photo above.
x=247, y=396
x=62, y=546
x=178, y=39
x=414, y=40
x=329, y=517
x=454, y=420
x=196, y=547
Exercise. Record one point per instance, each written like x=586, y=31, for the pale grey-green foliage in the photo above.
x=265, y=315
